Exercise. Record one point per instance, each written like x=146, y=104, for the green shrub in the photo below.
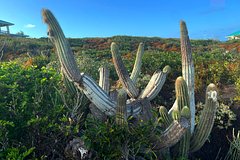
x=32, y=112
x=110, y=141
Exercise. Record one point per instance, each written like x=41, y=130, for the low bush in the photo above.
x=33, y=117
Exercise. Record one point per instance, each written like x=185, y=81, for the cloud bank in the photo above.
x=30, y=26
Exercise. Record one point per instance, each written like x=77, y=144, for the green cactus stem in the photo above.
x=206, y=120
x=155, y=84
x=188, y=69
x=185, y=112
x=176, y=115
x=138, y=63
x=183, y=102
x=181, y=93
x=124, y=78
x=166, y=119
x=121, y=114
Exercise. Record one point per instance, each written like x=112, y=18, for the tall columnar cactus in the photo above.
x=188, y=69
x=185, y=103
x=139, y=103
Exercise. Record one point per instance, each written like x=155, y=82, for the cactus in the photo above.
x=188, y=69
x=184, y=105
x=172, y=134
x=185, y=112
x=125, y=80
x=165, y=118
x=206, y=121
x=139, y=104
x=121, y=115
x=138, y=63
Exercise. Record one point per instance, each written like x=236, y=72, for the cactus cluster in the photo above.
x=184, y=105
x=130, y=101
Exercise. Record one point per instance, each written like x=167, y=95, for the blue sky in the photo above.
x=206, y=19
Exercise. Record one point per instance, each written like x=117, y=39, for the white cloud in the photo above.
x=30, y=26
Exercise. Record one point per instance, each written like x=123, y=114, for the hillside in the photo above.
x=15, y=47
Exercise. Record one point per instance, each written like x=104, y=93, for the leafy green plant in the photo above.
x=107, y=139
x=20, y=153
x=32, y=111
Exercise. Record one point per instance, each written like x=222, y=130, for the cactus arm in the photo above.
x=155, y=84
x=165, y=118
x=181, y=93
x=104, y=79
x=188, y=69
x=96, y=94
x=121, y=114
x=64, y=51
x=206, y=121
x=138, y=63
x=122, y=73
x=183, y=103
x=172, y=134
x=135, y=107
